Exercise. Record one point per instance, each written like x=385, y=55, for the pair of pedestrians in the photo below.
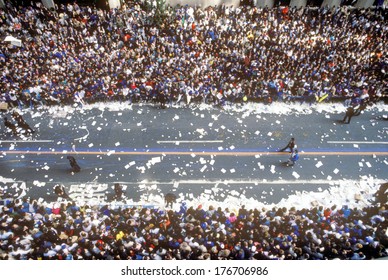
x=291, y=146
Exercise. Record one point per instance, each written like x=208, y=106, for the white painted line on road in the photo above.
x=357, y=142
x=26, y=141
x=248, y=182
x=188, y=141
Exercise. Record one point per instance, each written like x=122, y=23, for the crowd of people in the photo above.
x=67, y=230
x=81, y=54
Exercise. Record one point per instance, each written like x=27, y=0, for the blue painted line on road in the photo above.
x=192, y=153
x=182, y=150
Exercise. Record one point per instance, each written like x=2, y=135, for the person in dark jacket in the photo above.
x=73, y=163
x=10, y=126
x=291, y=145
x=22, y=123
x=348, y=115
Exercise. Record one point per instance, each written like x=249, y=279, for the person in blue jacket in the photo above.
x=293, y=158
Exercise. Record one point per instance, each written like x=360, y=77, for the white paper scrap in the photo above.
x=156, y=160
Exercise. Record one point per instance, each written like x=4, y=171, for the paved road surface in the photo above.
x=193, y=152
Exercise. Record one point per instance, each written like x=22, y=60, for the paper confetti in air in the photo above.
x=176, y=170
x=117, y=144
x=203, y=168
x=361, y=164
x=368, y=164
x=91, y=145
x=335, y=171
x=273, y=169
x=319, y=164
x=296, y=175
x=223, y=170
x=232, y=170
x=232, y=147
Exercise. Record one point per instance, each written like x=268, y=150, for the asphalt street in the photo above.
x=192, y=151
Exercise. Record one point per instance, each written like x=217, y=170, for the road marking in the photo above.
x=357, y=142
x=188, y=141
x=26, y=141
x=83, y=137
x=242, y=181
x=191, y=153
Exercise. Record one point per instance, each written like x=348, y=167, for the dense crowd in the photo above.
x=65, y=230
x=81, y=54
x=75, y=54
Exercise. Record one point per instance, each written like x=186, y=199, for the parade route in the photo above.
x=194, y=152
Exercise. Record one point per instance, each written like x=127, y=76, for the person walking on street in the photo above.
x=348, y=115
x=291, y=145
x=10, y=126
x=73, y=163
x=293, y=158
x=22, y=123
